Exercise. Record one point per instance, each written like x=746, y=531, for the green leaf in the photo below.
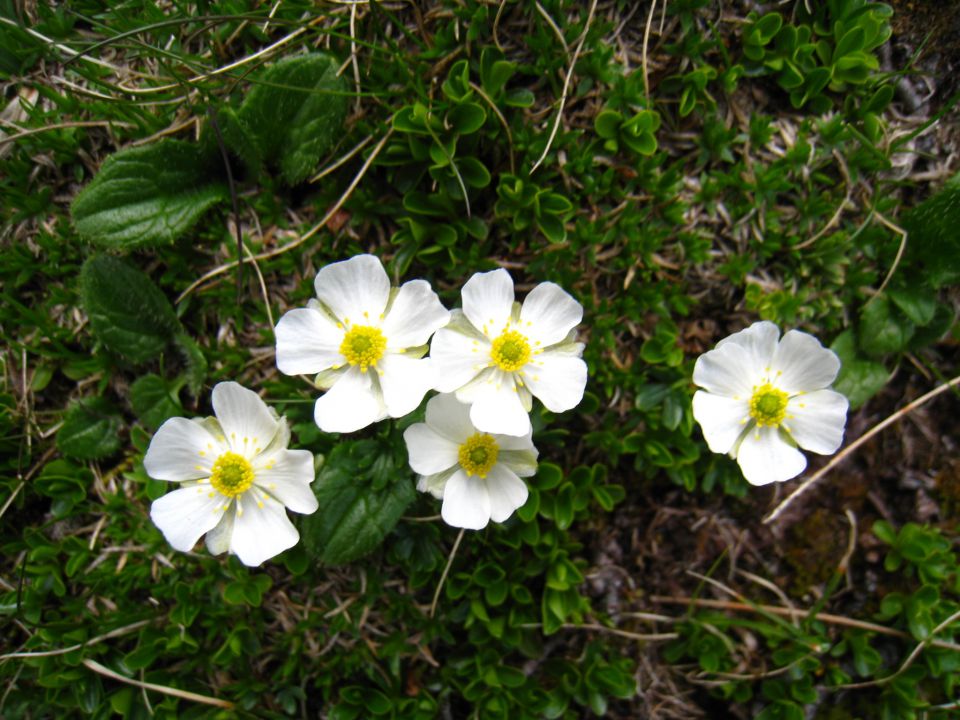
x=127, y=312
x=917, y=303
x=933, y=249
x=294, y=114
x=859, y=379
x=154, y=400
x=466, y=118
x=148, y=195
x=91, y=430
x=882, y=331
x=362, y=490
x=607, y=123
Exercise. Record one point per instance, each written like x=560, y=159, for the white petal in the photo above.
x=433, y=484
x=721, y=418
x=450, y=418
x=307, y=342
x=803, y=364
x=218, y=539
x=749, y=353
x=728, y=371
x=415, y=314
x=549, y=313
x=488, y=301
x=287, y=476
x=261, y=529
x=185, y=514
x=181, y=450
x=495, y=405
x=353, y=287
x=523, y=463
x=351, y=404
x=247, y=423
x=507, y=492
x=557, y=380
x=457, y=359
x=466, y=502
x=429, y=452
x=766, y=457
x=404, y=381
x=816, y=420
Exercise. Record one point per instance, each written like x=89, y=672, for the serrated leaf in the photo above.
x=294, y=113
x=154, y=400
x=90, y=430
x=148, y=195
x=127, y=312
x=362, y=491
x=934, y=243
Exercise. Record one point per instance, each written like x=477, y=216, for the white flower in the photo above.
x=366, y=341
x=477, y=474
x=237, y=476
x=762, y=398
x=495, y=354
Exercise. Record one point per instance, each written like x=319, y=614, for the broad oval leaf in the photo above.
x=90, y=430
x=127, y=312
x=294, y=113
x=148, y=196
x=362, y=491
x=154, y=400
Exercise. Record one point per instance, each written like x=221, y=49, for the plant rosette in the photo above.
x=476, y=474
x=365, y=340
x=237, y=478
x=764, y=396
x=497, y=355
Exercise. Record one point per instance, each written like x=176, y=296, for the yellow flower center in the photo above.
x=510, y=351
x=363, y=345
x=478, y=454
x=232, y=475
x=768, y=405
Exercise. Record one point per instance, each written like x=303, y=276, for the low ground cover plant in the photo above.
x=481, y=344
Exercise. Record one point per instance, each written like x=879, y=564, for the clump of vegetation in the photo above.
x=175, y=177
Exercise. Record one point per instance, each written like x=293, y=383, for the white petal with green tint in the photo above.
x=765, y=456
x=181, y=450
x=457, y=359
x=802, y=364
x=415, y=314
x=816, y=420
x=429, y=452
x=261, y=529
x=351, y=404
x=247, y=423
x=404, y=381
x=488, y=301
x=495, y=404
x=721, y=418
x=506, y=491
x=287, y=477
x=355, y=290
x=185, y=514
x=466, y=502
x=307, y=342
x=548, y=314
x=449, y=418
x=557, y=380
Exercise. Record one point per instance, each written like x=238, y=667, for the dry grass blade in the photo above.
x=165, y=689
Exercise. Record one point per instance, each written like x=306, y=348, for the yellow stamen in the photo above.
x=232, y=474
x=478, y=454
x=510, y=351
x=768, y=405
x=363, y=345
